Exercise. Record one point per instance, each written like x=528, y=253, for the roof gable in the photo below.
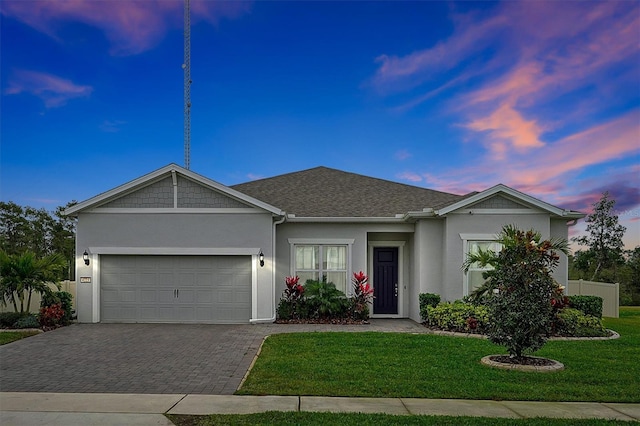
x=171, y=187
x=323, y=192
x=502, y=197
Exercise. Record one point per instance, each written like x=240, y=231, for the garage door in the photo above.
x=184, y=289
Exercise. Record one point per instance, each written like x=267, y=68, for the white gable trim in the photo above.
x=170, y=169
x=503, y=189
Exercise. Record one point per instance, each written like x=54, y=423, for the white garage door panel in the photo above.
x=192, y=289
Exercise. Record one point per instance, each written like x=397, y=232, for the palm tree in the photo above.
x=23, y=274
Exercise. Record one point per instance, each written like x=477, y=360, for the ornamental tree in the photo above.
x=519, y=289
x=604, y=241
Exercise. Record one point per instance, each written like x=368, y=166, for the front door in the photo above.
x=385, y=280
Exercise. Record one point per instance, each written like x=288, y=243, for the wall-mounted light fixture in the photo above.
x=261, y=258
x=85, y=257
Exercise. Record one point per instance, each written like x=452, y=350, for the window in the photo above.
x=322, y=261
x=474, y=275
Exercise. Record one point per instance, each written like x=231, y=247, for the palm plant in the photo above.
x=23, y=274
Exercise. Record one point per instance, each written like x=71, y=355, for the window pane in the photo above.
x=476, y=246
x=304, y=276
x=335, y=258
x=475, y=280
x=339, y=279
x=307, y=257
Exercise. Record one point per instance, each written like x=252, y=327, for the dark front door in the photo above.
x=385, y=277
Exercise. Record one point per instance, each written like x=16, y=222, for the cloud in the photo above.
x=553, y=172
x=53, y=90
x=131, y=27
x=506, y=127
x=253, y=176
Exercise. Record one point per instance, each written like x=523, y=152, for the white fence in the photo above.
x=610, y=294
x=68, y=286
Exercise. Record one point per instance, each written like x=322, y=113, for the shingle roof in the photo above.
x=325, y=192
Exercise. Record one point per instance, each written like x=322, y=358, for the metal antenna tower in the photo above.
x=186, y=66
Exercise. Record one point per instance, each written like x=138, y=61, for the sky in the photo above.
x=542, y=96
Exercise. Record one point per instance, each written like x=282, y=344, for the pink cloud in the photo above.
x=506, y=126
x=130, y=26
x=54, y=91
x=550, y=171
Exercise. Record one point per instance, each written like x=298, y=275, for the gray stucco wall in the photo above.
x=171, y=232
x=427, y=266
x=453, y=277
x=361, y=234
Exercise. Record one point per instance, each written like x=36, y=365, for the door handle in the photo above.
x=396, y=289
x=178, y=293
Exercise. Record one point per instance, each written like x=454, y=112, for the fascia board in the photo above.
x=122, y=189
x=100, y=198
x=294, y=219
x=500, y=188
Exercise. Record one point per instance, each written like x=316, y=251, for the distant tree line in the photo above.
x=604, y=258
x=43, y=233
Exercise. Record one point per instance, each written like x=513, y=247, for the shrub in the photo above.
x=8, y=319
x=589, y=305
x=27, y=321
x=324, y=300
x=62, y=298
x=519, y=289
x=51, y=316
x=574, y=323
x=426, y=300
x=458, y=316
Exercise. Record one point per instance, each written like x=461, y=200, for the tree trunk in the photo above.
x=29, y=301
x=593, y=278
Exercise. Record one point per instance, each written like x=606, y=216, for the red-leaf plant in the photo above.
x=294, y=291
x=362, y=296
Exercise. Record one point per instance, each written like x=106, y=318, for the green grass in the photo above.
x=356, y=419
x=428, y=366
x=12, y=336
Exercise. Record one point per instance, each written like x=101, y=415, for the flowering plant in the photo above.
x=362, y=296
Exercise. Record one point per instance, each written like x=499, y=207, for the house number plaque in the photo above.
x=85, y=279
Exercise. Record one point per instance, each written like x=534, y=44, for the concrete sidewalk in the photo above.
x=35, y=409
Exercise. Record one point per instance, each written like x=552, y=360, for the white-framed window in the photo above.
x=319, y=260
x=473, y=243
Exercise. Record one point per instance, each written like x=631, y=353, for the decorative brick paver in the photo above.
x=148, y=358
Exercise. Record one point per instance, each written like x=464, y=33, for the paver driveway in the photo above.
x=148, y=358
x=131, y=358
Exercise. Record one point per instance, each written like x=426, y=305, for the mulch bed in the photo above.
x=523, y=360
x=343, y=321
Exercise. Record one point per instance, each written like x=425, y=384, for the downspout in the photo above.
x=273, y=277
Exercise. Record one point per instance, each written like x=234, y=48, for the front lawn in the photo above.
x=429, y=366
x=12, y=336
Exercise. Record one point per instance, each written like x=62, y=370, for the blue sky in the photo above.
x=541, y=96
